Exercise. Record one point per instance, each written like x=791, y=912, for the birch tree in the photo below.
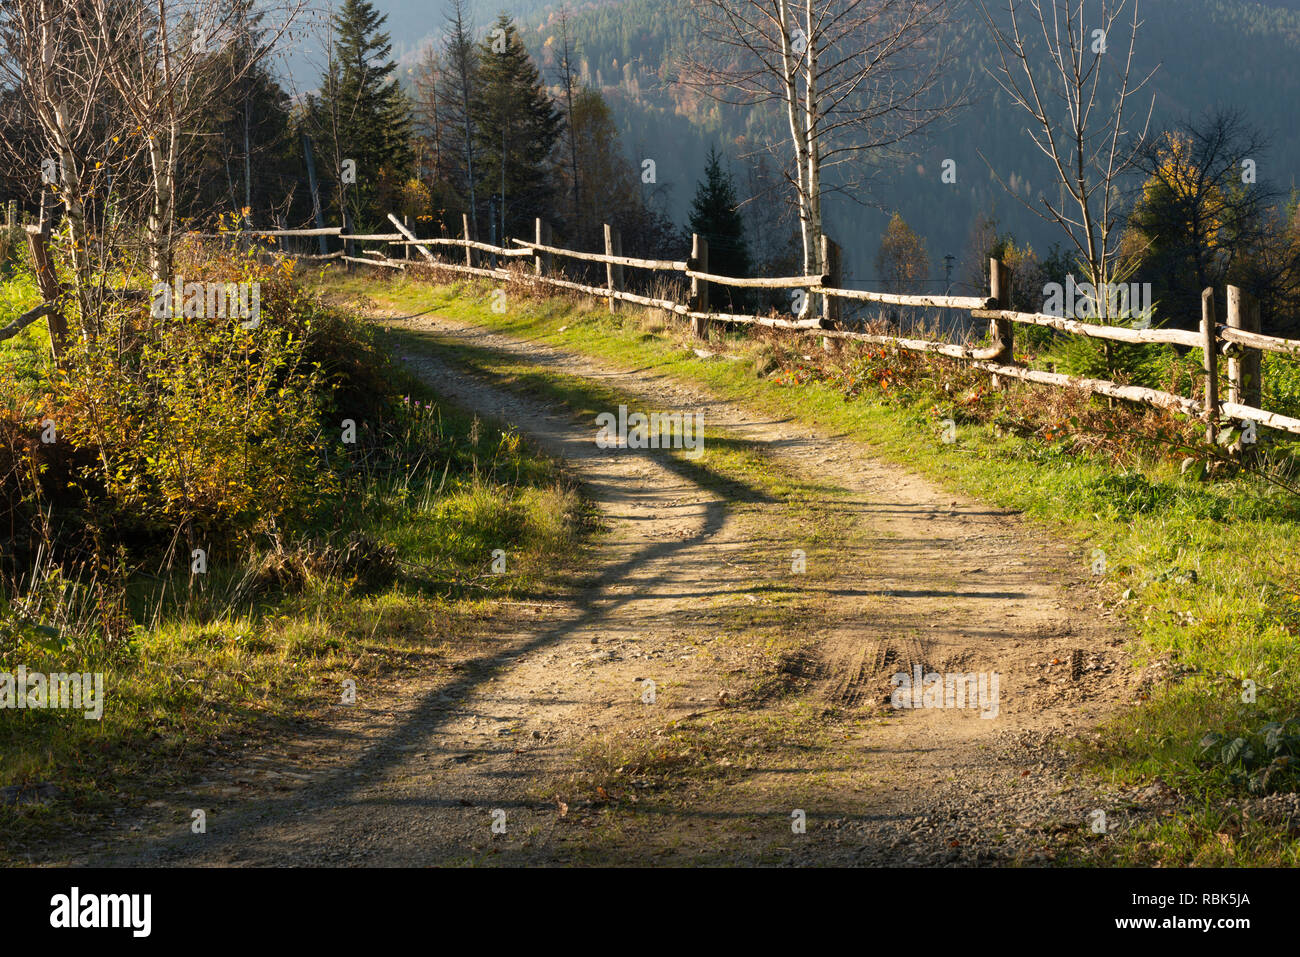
x=1069, y=66
x=159, y=57
x=853, y=79
x=58, y=77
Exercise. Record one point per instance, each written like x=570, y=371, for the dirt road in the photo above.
x=768, y=735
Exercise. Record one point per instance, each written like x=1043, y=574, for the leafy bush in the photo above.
x=894, y=374
x=1280, y=377
x=1267, y=759
x=203, y=427
x=174, y=433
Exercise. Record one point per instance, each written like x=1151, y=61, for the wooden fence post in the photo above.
x=831, y=304
x=406, y=250
x=834, y=276
x=401, y=228
x=1210, y=346
x=543, y=263
x=349, y=246
x=699, y=289
x=613, y=272
x=38, y=238
x=1244, y=384
x=1001, y=330
x=469, y=253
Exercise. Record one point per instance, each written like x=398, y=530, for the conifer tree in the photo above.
x=516, y=126
x=249, y=165
x=363, y=114
x=459, y=82
x=716, y=217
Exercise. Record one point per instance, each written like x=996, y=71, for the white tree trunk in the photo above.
x=813, y=264
x=790, y=87
x=159, y=222
x=70, y=183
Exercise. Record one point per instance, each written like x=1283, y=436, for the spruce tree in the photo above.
x=715, y=215
x=516, y=126
x=459, y=82
x=363, y=114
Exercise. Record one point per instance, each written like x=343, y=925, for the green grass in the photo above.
x=209, y=666
x=23, y=356
x=1236, y=621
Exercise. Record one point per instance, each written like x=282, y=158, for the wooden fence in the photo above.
x=1239, y=340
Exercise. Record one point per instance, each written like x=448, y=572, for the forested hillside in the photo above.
x=1244, y=56
x=1239, y=55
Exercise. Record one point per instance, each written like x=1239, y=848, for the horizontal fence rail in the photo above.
x=1238, y=340
x=787, y=282
x=897, y=299
x=662, y=265
x=1178, y=337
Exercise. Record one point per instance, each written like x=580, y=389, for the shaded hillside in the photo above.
x=1209, y=53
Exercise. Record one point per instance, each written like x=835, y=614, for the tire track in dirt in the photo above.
x=950, y=585
x=415, y=780
x=414, y=777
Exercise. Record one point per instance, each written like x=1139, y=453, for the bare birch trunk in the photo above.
x=791, y=94
x=70, y=183
x=813, y=264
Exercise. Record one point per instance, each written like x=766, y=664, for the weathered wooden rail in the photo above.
x=1239, y=340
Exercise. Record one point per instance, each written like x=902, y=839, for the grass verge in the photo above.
x=1206, y=572
x=392, y=584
